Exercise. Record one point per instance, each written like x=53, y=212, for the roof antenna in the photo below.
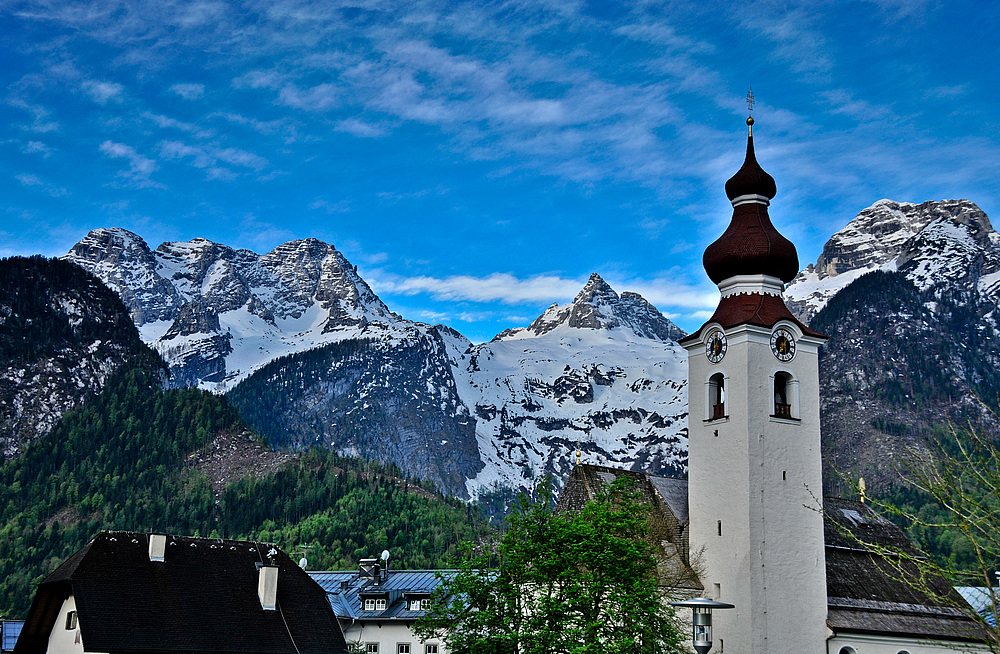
x=750, y=104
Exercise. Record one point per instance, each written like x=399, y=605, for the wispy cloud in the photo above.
x=509, y=289
x=189, y=91
x=140, y=167
x=33, y=181
x=103, y=92
x=209, y=158
x=165, y=122
x=36, y=147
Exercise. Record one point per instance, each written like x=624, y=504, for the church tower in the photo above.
x=754, y=467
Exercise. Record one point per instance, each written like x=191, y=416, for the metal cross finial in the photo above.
x=750, y=100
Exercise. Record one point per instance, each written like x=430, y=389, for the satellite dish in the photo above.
x=303, y=563
x=385, y=555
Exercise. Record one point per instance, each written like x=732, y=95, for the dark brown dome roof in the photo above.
x=751, y=179
x=751, y=245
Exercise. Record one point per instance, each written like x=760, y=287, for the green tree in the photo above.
x=569, y=582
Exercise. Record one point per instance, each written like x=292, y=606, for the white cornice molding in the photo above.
x=752, y=198
x=747, y=284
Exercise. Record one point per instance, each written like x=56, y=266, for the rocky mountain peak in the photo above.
x=198, y=302
x=597, y=306
x=596, y=292
x=935, y=243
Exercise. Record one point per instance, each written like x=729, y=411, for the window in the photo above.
x=380, y=605
x=369, y=605
x=371, y=648
x=419, y=604
x=430, y=649
x=71, y=620
x=782, y=405
x=403, y=648
x=374, y=604
x=716, y=396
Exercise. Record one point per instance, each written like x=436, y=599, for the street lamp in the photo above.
x=701, y=614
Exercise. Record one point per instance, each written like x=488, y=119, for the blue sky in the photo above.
x=478, y=161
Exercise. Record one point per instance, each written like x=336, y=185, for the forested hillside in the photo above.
x=904, y=369
x=130, y=456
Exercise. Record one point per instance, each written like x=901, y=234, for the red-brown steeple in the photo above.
x=751, y=245
x=751, y=261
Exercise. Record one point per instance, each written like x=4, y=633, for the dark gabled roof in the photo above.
x=201, y=598
x=866, y=583
x=346, y=589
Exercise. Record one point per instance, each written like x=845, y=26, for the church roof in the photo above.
x=751, y=245
x=758, y=309
x=201, y=598
x=872, y=589
x=866, y=590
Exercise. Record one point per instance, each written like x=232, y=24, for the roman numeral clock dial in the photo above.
x=782, y=344
x=715, y=347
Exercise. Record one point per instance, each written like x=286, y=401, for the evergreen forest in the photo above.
x=119, y=463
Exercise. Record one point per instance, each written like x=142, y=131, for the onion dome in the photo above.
x=751, y=245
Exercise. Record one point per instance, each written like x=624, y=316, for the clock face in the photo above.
x=783, y=344
x=715, y=348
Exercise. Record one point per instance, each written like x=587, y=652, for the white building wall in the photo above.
x=388, y=636
x=61, y=639
x=758, y=479
x=867, y=644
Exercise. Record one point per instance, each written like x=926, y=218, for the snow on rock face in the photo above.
x=948, y=244
x=216, y=313
x=604, y=372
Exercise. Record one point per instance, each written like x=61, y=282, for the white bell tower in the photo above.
x=754, y=466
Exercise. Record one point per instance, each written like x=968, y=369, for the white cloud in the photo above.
x=189, y=91
x=140, y=167
x=165, y=122
x=508, y=289
x=36, y=147
x=103, y=92
x=208, y=158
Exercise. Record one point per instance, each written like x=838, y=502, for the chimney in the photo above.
x=267, y=587
x=370, y=570
x=157, y=546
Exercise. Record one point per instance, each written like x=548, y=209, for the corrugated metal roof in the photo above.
x=11, y=630
x=399, y=586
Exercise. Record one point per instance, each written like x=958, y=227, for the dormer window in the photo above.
x=717, y=397
x=375, y=604
x=418, y=605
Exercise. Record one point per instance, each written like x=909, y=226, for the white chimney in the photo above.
x=267, y=587
x=157, y=546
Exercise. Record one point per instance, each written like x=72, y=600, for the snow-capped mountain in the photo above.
x=313, y=356
x=914, y=348
x=603, y=373
x=948, y=245
x=215, y=314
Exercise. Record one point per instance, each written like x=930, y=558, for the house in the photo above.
x=132, y=593
x=377, y=606
x=750, y=518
